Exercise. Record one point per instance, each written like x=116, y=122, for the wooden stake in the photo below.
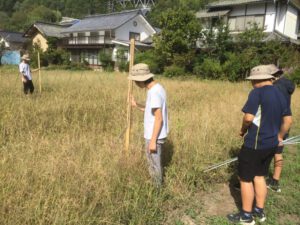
x=40, y=79
x=129, y=94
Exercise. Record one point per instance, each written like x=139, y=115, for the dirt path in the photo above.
x=219, y=201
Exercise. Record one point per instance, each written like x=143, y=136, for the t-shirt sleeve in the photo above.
x=287, y=112
x=290, y=87
x=252, y=103
x=21, y=68
x=156, y=101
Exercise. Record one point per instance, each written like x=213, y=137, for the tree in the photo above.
x=4, y=20
x=178, y=37
x=218, y=41
x=254, y=35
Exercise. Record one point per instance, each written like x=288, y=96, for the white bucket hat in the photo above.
x=275, y=71
x=140, y=72
x=25, y=57
x=262, y=72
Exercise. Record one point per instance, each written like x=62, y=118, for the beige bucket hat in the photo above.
x=25, y=57
x=275, y=70
x=262, y=72
x=140, y=72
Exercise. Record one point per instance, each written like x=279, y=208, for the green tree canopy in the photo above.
x=179, y=34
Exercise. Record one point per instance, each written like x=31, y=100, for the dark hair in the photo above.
x=278, y=74
x=148, y=81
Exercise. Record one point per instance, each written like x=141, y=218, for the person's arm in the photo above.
x=158, y=122
x=137, y=105
x=247, y=121
x=35, y=70
x=285, y=126
x=23, y=77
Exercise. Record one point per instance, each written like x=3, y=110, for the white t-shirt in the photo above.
x=156, y=98
x=25, y=70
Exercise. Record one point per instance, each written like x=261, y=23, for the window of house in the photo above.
x=109, y=34
x=90, y=56
x=94, y=34
x=135, y=36
x=241, y=23
x=215, y=21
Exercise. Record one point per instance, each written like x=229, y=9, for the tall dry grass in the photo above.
x=61, y=151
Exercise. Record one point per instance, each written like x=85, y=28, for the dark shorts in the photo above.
x=28, y=86
x=254, y=162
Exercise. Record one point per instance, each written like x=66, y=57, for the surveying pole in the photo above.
x=129, y=94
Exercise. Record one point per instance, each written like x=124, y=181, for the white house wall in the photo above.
x=290, y=28
x=122, y=33
x=6, y=44
x=280, y=18
x=284, y=19
x=270, y=18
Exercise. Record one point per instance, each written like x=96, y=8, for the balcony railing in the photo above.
x=87, y=40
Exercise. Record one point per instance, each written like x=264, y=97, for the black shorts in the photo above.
x=254, y=162
x=279, y=150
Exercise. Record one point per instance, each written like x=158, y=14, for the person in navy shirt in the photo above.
x=287, y=88
x=267, y=118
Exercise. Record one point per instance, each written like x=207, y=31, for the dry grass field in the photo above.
x=61, y=151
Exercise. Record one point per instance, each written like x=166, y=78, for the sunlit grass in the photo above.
x=61, y=151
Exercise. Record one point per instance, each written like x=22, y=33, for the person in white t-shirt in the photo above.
x=155, y=118
x=25, y=73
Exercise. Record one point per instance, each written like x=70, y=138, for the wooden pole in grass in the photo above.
x=39, y=67
x=129, y=93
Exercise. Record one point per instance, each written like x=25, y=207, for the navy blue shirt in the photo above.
x=287, y=88
x=268, y=105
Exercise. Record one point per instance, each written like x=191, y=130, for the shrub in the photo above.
x=122, y=62
x=106, y=60
x=57, y=57
x=232, y=68
x=123, y=66
x=151, y=59
x=173, y=71
x=295, y=76
x=209, y=69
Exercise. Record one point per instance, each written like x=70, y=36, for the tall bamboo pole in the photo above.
x=40, y=78
x=129, y=94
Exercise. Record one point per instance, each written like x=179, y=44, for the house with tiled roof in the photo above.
x=12, y=40
x=107, y=32
x=13, y=43
x=40, y=32
x=278, y=18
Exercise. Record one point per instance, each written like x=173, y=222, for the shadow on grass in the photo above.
x=167, y=155
x=233, y=180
